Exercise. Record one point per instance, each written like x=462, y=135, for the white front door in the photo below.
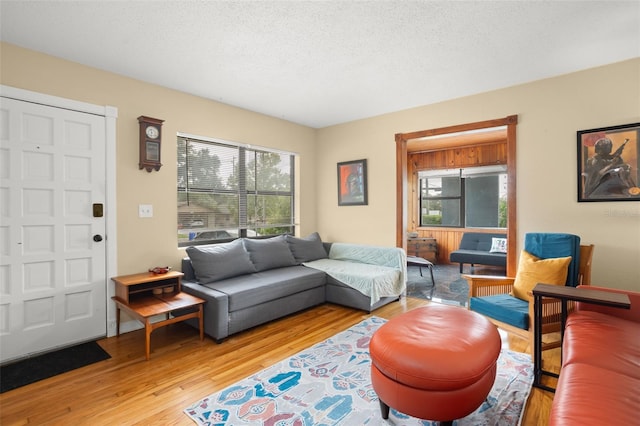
x=53, y=255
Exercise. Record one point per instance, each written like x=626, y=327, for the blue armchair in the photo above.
x=494, y=297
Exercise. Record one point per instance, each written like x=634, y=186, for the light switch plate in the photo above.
x=145, y=210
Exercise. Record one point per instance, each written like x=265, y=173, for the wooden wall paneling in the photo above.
x=472, y=157
x=460, y=157
x=447, y=240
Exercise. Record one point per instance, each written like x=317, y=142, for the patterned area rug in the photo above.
x=329, y=384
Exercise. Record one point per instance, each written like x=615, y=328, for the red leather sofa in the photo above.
x=599, y=381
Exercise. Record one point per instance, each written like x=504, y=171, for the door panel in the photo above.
x=52, y=272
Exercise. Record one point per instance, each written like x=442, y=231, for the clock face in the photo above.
x=152, y=132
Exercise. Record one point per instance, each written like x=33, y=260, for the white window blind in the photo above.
x=228, y=190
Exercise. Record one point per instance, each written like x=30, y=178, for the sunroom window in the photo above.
x=473, y=197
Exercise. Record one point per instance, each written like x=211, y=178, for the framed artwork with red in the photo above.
x=352, y=183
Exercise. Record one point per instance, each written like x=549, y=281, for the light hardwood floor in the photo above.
x=127, y=390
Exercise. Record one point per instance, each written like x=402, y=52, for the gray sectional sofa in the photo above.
x=248, y=282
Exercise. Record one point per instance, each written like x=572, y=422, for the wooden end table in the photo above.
x=146, y=295
x=564, y=294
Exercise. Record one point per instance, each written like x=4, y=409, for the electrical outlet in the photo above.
x=145, y=210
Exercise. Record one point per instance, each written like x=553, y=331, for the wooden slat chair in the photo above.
x=498, y=289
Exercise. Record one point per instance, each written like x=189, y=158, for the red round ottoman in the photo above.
x=436, y=362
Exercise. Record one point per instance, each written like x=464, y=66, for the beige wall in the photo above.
x=143, y=243
x=549, y=114
x=549, y=111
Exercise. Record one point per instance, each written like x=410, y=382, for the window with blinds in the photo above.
x=228, y=190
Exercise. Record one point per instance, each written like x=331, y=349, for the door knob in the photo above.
x=97, y=238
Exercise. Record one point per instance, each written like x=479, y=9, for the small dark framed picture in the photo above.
x=609, y=164
x=352, y=183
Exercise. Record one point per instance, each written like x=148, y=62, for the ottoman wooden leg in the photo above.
x=384, y=409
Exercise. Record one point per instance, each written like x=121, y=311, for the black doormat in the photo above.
x=30, y=370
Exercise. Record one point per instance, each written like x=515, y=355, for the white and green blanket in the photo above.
x=374, y=271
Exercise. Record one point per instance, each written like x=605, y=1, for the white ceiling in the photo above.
x=320, y=63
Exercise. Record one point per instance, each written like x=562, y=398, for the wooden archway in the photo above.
x=402, y=141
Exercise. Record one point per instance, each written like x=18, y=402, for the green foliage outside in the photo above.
x=502, y=213
x=431, y=220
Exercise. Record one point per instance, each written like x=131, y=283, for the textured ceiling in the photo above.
x=320, y=63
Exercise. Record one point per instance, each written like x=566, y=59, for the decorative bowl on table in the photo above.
x=160, y=269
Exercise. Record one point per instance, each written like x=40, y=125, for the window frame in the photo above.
x=461, y=176
x=244, y=227
x=460, y=198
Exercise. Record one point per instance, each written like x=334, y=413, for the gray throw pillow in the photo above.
x=216, y=262
x=306, y=249
x=269, y=253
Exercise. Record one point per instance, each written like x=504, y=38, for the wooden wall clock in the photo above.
x=150, y=143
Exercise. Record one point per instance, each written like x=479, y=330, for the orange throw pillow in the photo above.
x=533, y=270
